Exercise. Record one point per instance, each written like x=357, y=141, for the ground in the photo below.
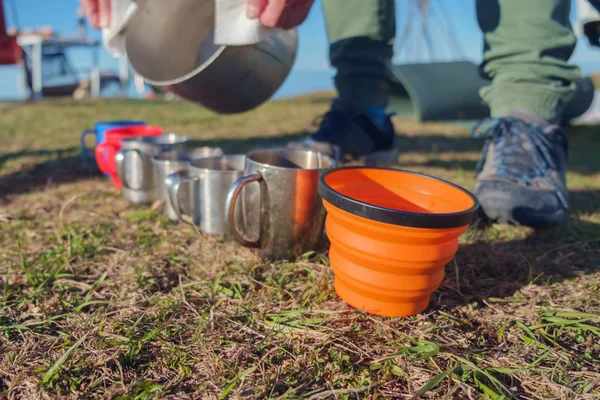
x=105, y=299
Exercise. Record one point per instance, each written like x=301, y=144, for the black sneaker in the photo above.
x=347, y=134
x=521, y=173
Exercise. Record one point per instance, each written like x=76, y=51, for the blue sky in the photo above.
x=311, y=71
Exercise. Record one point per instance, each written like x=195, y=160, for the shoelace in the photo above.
x=514, y=161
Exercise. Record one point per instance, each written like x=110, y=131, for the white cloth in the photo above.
x=233, y=28
x=113, y=38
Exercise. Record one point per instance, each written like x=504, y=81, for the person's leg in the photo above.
x=521, y=177
x=526, y=51
x=361, y=33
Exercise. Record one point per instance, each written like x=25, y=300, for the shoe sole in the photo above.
x=380, y=157
x=389, y=156
x=498, y=214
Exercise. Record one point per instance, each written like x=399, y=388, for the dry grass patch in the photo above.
x=103, y=299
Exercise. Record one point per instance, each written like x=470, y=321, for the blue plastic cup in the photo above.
x=99, y=129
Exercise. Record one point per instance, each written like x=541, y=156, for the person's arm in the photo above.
x=97, y=12
x=284, y=14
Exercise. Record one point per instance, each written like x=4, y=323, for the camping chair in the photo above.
x=60, y=78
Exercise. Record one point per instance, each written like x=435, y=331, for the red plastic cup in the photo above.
x=106, y=152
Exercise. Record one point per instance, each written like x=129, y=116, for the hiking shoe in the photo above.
x=347, y=134
x=521, y=173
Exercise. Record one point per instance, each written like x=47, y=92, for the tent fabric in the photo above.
x=449, y=91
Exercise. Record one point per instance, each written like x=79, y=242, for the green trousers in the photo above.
x=527, y=45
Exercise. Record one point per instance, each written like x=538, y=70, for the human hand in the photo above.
x=97, y=12
x=285, y=14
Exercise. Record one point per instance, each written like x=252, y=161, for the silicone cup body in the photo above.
x=391, y=268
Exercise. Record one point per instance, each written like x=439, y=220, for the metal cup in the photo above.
x=282, y=214
x=211, y=178
x=134, y=164
x=172, y=162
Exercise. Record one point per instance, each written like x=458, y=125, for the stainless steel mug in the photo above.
x=172, y=162
x=211, y=178
x=135, y=168
x=171, y=44
x=282, y=215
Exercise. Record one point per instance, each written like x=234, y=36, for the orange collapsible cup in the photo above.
x=392, y=232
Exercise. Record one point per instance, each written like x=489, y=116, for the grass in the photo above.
x=104, y=299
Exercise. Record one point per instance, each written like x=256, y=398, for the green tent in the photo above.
x=449, y=91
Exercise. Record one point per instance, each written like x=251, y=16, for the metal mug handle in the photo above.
x=122, y=166
x=231, y=201
x=174, y=183
x=86, y=152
